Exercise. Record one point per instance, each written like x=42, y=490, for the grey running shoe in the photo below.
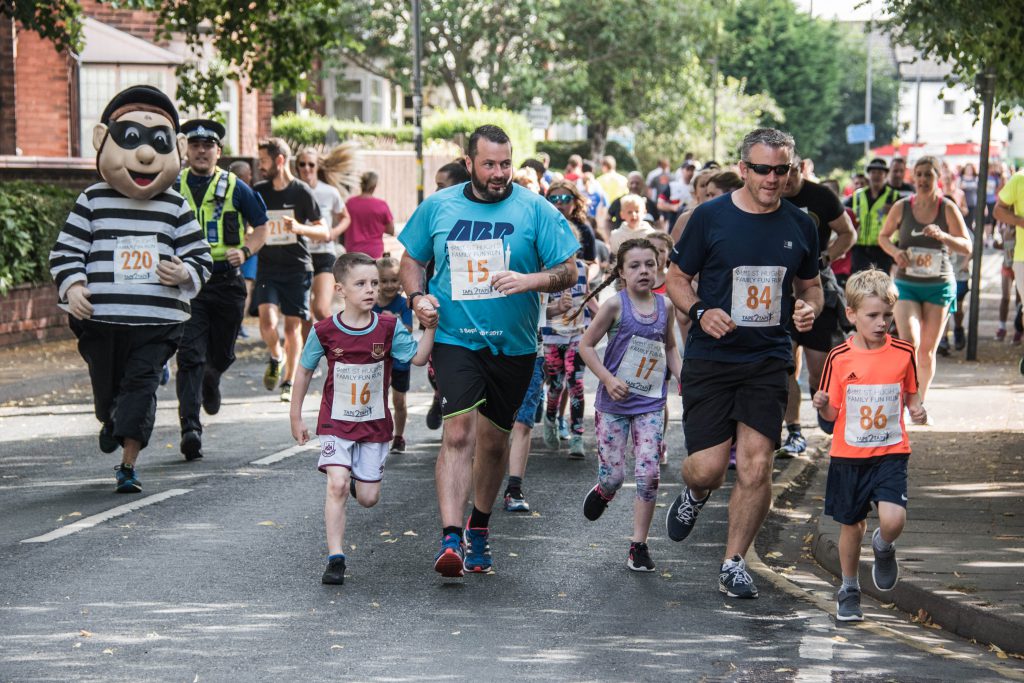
x=848, y=605
x=735, y=582
x=551, y=434
x=795, y=445
x=682, y=515
x=886, y=570
x=576, y=446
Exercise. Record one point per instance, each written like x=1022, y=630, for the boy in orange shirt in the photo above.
x=866, y=383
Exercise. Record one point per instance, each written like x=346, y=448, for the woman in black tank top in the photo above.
x=930, y=228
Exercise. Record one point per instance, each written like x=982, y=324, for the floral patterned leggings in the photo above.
x=613, y=431
x=563, y=365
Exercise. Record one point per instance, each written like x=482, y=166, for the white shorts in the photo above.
x=364, y=460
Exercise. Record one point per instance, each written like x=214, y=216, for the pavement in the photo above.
x=962, y=553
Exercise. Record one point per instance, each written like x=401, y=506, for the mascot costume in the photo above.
x=127, y=262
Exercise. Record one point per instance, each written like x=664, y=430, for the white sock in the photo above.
x=851, y=582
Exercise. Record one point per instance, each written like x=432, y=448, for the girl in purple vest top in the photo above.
x=631, y=398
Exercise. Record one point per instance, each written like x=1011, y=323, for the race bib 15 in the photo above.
x=471, y=265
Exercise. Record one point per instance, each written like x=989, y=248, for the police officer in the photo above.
x=224, y=206
x=871, y=204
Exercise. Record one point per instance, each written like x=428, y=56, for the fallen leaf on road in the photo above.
x=774, y=554
x=74, y=514
x=391, y=540
x=352, y=547
x=374, y=604
x=839, y=639
x=666, y=575
x=594, y=545
x=77, y=645
x=85, y=634
x=783, y=671
x=513, y=555
x=659, y=505
x=455, y=633
x=108, y=651
x=818, y=498
x=410, y=532
x=337, y=647
x=385, y=533
x=535, y=514
x=992, y=647
x=267, y=523
x=169, y=446
x=561, y=595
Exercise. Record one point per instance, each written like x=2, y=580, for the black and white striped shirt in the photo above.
x=112, y=244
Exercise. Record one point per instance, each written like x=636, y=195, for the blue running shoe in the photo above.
x=126, y=480
x=478, y=551
x=563, y=429
x=449, y=559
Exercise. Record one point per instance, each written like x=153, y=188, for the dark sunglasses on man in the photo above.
x=764, y=169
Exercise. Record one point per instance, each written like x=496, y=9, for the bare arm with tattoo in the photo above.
x=554, y=279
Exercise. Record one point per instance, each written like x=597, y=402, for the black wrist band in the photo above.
x=412, y=298
x=247, y=251
x=696, y=311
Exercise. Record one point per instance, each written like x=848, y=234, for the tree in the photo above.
x=791, y=57
x=972, y=37
x=483, y=52
x=271, y=46
x=835, y=152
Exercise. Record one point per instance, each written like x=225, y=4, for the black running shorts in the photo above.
x=718, y=395
x=854, y=484
x=480, y=380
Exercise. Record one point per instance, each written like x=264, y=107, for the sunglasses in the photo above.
x=560, y=198
x=765, y=169
x=306, y=164
x=131, y=134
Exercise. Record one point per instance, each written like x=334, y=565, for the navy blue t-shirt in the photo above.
x=244, y=199
x=761, y=254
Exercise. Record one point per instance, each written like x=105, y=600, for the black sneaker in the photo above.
x=848, y=605
x=211, y=393
x=639, y=559
x=886, y=570
x=734, y=580
x=682, y=515
x=595, y=503
x=434, y=414
x=108, y=444
x=191, y=445
x=126, y=480
x=335, y=572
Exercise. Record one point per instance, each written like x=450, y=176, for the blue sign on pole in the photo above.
x=860, y=132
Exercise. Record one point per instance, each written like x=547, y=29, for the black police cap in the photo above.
x=204, y=129
x=141, y=94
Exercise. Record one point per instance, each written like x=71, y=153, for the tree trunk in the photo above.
x=598, y=133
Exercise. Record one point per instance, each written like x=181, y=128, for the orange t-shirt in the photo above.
x=867, y=388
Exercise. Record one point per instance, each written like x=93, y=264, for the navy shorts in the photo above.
x=854, y=484
x=288, y=292
x=400, y=379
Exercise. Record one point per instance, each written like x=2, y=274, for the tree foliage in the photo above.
x=971, y=36
x=792, y=57
x=58, y=21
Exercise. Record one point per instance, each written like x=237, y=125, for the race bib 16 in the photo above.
x=358, y=392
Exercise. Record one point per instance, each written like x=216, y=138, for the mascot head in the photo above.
x=138, y=143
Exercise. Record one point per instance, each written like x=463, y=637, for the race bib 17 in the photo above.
x=643, y=367
x=757, y=295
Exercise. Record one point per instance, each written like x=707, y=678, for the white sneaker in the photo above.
x=551, y=433
x=576, y=446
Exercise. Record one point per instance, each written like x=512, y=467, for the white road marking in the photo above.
x=287, y=453
x=93, y=520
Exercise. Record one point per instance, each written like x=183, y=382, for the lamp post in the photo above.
x=417, y=98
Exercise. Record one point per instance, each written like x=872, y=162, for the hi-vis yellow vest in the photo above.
x=218, y=216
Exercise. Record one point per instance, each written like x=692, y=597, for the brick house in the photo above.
x=49, y=101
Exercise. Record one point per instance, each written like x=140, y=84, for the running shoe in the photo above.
x=595, y=503
x=286, y=392
x=398, y=445
x=576, y=446
x=794, y=446
x=191, y=445
x=960, y=339
x=478, y=550
x=639, y=559
x=682, y=515
x=848, y=605
x=563, y=429
x=448, y=561
x=434, y=414
x=1017, y=338
x=943, y=348
x=272, y=375
x=242, y=333
x=108, y=443
x=335, y=572
x=1001, y=334
x=885, y=572
x=515, y=501
x=211, y=393
x=126, y=480
x=165, y=375
x=734, y=581
x=550, y=433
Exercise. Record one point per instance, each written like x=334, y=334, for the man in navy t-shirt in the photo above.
x=750, y=250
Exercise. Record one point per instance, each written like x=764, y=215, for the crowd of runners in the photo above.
x=712, y=283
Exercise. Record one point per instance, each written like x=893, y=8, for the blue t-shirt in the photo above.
x=533, y=234
x=400, y=308
x=403, y=346
x=722, y=243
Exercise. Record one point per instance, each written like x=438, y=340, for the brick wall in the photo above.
x=29, y=313
x=139, y=23
x=8, y=114
x=42, y=106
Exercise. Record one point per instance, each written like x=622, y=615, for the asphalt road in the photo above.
x=219, y=581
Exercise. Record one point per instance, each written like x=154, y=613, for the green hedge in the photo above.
x=449, y=125
x=312, y=130
x=31, y=215
x=561, y=150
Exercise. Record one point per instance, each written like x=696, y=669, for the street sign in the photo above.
x=860, y=132
x=539, y=116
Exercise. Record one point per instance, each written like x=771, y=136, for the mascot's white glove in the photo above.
x=78, y=301
x=172, y=273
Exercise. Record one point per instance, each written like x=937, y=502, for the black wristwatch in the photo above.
x=247, y=251
x=412, y=298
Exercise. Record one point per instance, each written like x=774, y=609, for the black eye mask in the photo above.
x=131, y=134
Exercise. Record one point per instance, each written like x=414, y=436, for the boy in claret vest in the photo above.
x=354, y=425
